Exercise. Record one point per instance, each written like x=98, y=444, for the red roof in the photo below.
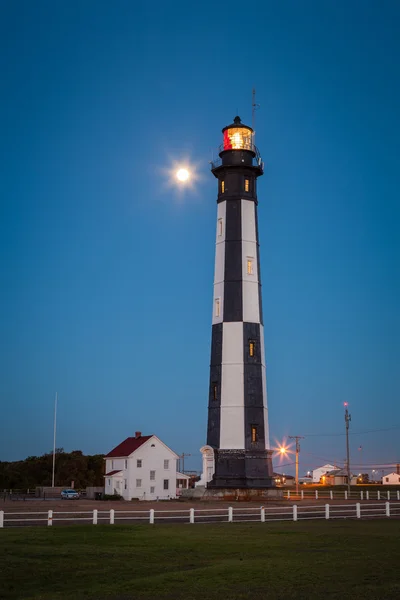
x=111, y=473
x=128, y=446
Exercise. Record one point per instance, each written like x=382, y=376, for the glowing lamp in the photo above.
x=238, y=138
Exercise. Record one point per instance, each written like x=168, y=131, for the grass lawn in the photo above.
x=307, y=560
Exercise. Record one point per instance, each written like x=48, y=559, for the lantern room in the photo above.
x=237, y=149
x=238, y=136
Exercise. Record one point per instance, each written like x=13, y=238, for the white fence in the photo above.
x=213, y=515
x=321, y=494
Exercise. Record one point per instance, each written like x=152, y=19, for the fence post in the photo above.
x=262, y=514
x=316, y=494
x=302, y=494
x=326, y=511
x=191, y=515
x=1, y=518
x=388, y=509
x=367, y=495
x=230, y=514
x=345, y=494
x=331, y=494
x=388, y=495
x=358, y=510
x=294, y=512
x=50, y=518
x=95, y=516
x=379, y=494
x=152, y=516
x=111, y=516
x=362, y=495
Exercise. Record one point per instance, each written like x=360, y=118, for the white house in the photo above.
x=391, y=479
x=141, y=467
x=317, y=473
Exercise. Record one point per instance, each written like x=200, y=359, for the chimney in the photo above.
x=398, y=469
x=138, y=434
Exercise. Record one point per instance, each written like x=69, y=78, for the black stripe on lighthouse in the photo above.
x=253, y=388
x=233, y=292
x=214, y=399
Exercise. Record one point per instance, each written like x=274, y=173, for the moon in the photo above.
x=182, y=175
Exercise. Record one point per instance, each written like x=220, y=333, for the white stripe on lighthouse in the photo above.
x=232, y=384
x=251, y=307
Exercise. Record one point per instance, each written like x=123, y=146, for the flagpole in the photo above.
x=54, y=441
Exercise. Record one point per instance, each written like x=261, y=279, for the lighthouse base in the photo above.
x=242, y=469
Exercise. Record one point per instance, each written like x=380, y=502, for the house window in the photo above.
x=219, y=227
x=166, y=484
x=250, y=267
x=217, y=307
x=152, y=475
x=109, y=482
x=252, y=347
x=222, y=187
x=246, y=185
x=254, y=436
x=166, y=464
x=138, y=483
x=126, y=464
x=152, y=490
x=125, y=484
x=117, y=484
x=215, y=391
x=112, y=464
x=387, y=479
x=139, y=463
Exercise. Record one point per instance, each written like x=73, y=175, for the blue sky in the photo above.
x=106, y=272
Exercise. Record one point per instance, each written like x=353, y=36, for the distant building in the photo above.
x=142, y=467
x=282, y=479
x=320, y=471
x=391, y=479
x=335, y=477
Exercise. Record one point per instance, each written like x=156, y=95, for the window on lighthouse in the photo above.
x=219, y=227
x=246, y=185
x=250, y=270
x=253, y=433
x=252, y=347
x=215, y=391
x=222, y=187
x=217, y=307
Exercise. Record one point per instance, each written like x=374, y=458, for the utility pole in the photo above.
x=54, y=441
x=297, y=438
x=347, y=419
x=182, y=456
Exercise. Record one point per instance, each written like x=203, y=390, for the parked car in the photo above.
x=69, y=495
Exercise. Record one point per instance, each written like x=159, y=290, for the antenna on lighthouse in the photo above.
x=254, y=107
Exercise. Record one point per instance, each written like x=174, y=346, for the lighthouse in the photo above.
x=237, y=453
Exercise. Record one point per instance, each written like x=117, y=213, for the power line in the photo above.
x=353, y=433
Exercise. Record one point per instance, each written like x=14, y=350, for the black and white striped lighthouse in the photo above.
x=237, y=411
